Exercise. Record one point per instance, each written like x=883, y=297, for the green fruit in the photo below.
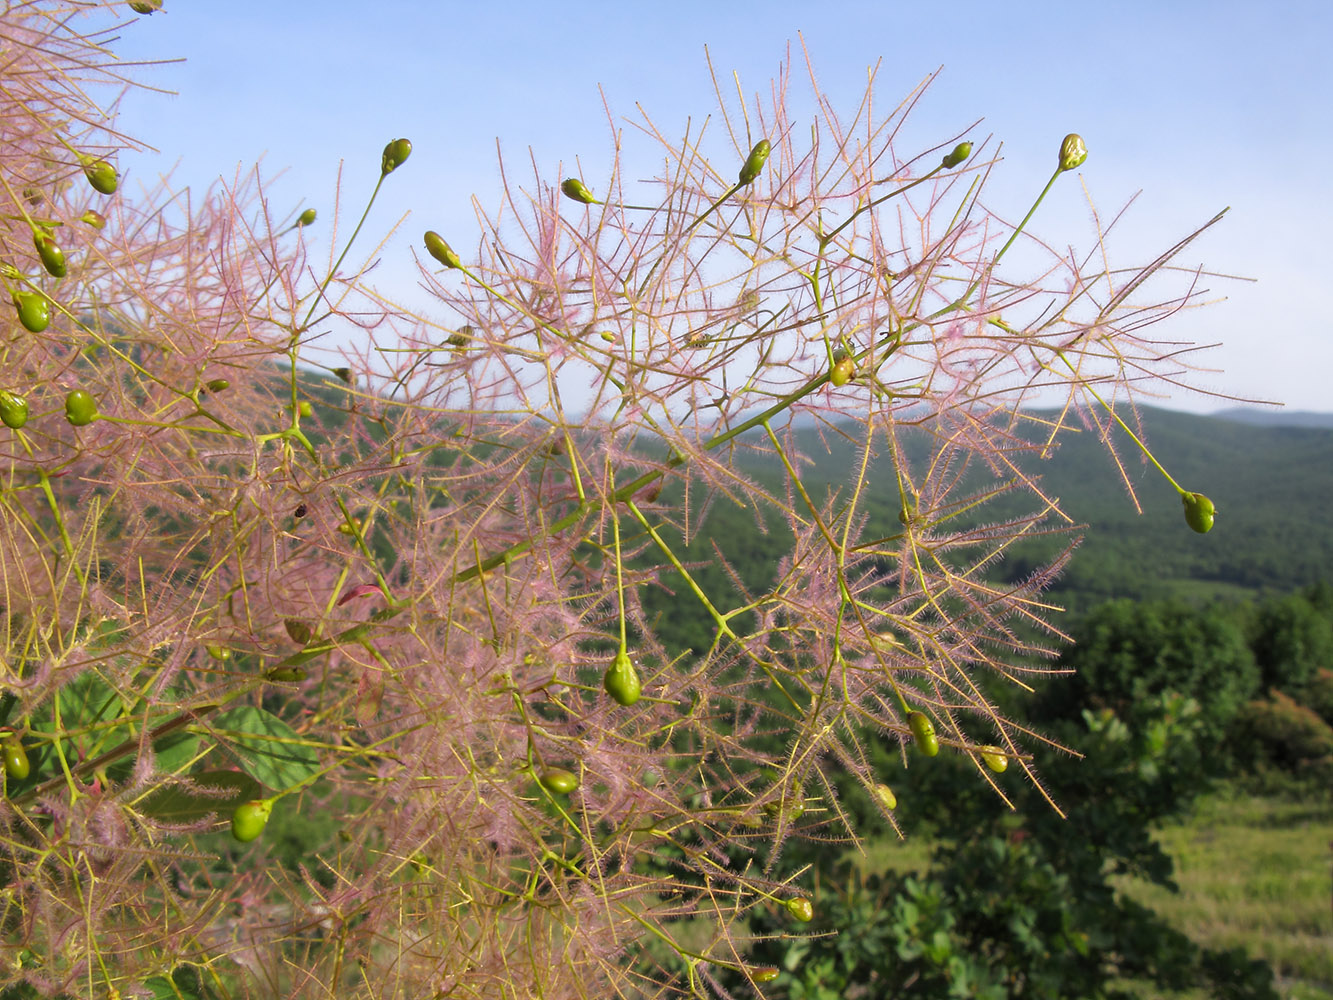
x=622, y=680
x=575, y=189
x=80, y=408
x=344, y=373
x=996, y=759
x=306, y=217
x=101, y=175
x=145, y=6
x=440, y=250
x=217, y=385
x=250, y=818
x=300, y=632
x=53, y=258
x=886, y=797
x=34, y=311
x=289, y=675
x=13, y=409
x=790, y=806
x=843, y=370
x=754, y=162
x=304, y=408
x=960, y=153
x=558, y=780
x=395, y=155
x=1199, y=512
x=218, y=652
x=801, y=908
x=923, y=731
x=95, y=219
x=16, y=759
x=1072, y=151
x=763, y=973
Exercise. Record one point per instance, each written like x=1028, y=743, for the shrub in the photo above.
x=1125, y=652
x=1319, y=695
x=246, y=580
x=1280, y=731
x=1292, y=640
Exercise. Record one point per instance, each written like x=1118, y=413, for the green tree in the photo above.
x=1292, y=638
x=1125, y=652
x=1022, y=903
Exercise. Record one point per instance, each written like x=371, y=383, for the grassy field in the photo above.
x=1256, y=873
x=1253, y=872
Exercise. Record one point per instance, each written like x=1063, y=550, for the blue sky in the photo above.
x=1197, y=105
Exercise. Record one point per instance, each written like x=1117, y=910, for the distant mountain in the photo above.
x=1276, y=418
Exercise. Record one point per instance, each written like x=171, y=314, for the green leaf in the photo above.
x=87, y=701
x=184, y=984
x=175, y=751
x=103, y=634
x=208, y=792
x=269, y=749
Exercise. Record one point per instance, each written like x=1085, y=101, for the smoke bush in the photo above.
x=383, y=613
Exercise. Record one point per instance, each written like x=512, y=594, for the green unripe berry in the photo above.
x=461, y=337
x=622, y=680
x=299, y=631
x=289, y=675
x=996, y=759
x=95, y=219
x=574, y=188
x=395, y=155
x=13, y=410
x=789, y=805
x=101, y=175
x=80, y=408
x=218, y=652
x=886, y=797
x=53, y=258
x=344, y=373
x=17, y=765
x=1072, y=151
x=217, y=385
x=754, y=162
x=558, y=780
x=763, y=973
x=34, y=311
x=249, y=819
x=843, y=370
x=145, y=6
x=801, y=908
x=440, y=250
x=304, y=409
x=306, y=217
x=923, y=731
x=960, y=153
x=1199, y=512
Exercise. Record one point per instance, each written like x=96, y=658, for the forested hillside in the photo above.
x=1268, y=482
